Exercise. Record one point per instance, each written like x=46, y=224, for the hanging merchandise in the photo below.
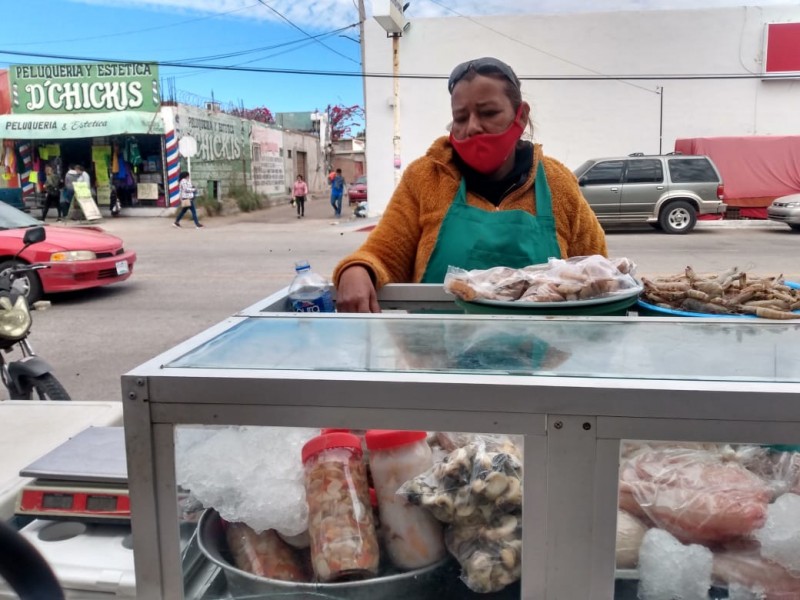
x=115, y=162
x=132, y=154
x=9, y=159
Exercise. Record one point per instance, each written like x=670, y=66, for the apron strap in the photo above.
x=544, y=201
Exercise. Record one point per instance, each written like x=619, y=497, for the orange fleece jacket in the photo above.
x=398, y=249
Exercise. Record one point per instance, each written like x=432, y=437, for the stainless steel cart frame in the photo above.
x=572, y=424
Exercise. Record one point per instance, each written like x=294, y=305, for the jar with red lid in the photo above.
x=344, y=545
x=413, y=538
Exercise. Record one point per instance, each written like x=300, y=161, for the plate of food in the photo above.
x=732, y=294
x=587, y=285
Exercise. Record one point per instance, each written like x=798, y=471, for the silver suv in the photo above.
x=668, y=191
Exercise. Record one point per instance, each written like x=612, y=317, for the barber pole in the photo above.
x=25, y=172
x=173, y=167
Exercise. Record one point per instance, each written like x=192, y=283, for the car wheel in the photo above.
x=27, y=284
x=678, y=217
x=794, y=227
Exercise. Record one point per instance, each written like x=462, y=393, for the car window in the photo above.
x=644, y=171
x=11, y=218
x=683, y=170
x=609, y=171
x=362, y=180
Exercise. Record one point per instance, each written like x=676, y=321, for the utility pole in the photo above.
x=660, y=117
x=396, y=105
x=362, y=16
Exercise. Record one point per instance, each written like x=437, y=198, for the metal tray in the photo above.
x=429, y=583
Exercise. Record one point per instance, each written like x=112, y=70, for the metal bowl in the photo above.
x=433, y=582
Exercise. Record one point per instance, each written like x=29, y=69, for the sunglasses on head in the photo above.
x=482, y=66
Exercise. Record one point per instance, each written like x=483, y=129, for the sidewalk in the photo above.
x=318, y=213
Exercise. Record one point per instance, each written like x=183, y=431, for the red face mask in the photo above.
x=486, y=152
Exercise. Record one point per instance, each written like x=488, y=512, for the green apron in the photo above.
x=472, y=238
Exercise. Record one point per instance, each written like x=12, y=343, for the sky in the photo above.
x=277, y=34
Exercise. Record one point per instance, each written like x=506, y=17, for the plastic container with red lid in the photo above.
x=329, y=430
x=412, y=536
x=344, y=545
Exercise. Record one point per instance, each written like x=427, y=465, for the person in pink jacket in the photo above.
x=299, y=193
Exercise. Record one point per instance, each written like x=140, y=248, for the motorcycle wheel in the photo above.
x=46, y=386
x=28, y=284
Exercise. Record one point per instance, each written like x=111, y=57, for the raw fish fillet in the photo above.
x=749, y=569
x=693, y=494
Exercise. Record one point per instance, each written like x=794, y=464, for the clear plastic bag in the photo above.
x=745, y=568
x=696, y=495
x=490, y=554
x=576, y=278
x=477, y=491
x=265, y=554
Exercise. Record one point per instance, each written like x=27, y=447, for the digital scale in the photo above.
x=84, y=479
x=77, y=515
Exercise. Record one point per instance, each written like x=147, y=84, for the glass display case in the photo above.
x=569, y=389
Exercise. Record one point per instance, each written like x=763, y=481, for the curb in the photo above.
x=740, y=224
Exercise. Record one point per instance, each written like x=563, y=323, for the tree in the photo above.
x=261, y=114
x=342, y=120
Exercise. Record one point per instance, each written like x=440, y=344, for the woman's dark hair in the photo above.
x=488, y=67
x=301, y=177
x=183, y=175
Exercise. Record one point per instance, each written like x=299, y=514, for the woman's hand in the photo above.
x=356, y=292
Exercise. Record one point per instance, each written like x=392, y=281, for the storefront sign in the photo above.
x=219, y=136
x=45, y=127
x=84, y=88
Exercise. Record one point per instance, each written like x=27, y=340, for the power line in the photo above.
x=545, y=52
x=304, y=32
x=323, y=73
x=300, y=45
x=303, y=41
x=45, y=42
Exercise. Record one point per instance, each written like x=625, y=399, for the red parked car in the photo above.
x=79, y=257
x=357, y=190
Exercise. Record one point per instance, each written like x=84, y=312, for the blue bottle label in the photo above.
x=321, y=303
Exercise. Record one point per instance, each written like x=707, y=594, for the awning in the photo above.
x=49, y=127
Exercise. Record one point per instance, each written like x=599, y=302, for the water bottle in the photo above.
x=309, y=292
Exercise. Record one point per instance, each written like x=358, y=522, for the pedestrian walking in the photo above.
x=68, y=192
x=52, y=193
x=299, y=194
x=187, y=194
x=337, y=191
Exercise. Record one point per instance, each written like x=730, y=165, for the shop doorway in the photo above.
x=301, y=166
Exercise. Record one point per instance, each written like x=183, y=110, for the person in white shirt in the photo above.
x=187, y=194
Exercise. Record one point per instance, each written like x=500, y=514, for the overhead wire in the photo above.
x=265, y=48
x=303, y=43
x=532, y=47
x=301, y=30
x=324, y=73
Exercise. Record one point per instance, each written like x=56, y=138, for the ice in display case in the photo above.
x=571, y=388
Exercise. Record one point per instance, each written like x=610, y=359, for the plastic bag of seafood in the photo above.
x=477, y=490
x=576, y=278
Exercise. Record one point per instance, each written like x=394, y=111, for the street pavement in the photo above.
x=186, y=280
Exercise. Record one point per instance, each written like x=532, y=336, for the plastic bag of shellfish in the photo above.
x=452, y=440
x=490, y=554
x=471, y=485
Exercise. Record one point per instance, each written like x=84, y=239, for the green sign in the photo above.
x=84, y=88
x=50, y=127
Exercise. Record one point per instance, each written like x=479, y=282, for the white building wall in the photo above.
x=576, y=120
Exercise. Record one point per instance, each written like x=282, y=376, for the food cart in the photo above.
x=573, y=387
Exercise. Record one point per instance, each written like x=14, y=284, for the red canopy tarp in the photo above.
x=755, y=169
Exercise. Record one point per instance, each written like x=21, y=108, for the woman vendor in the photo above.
x=479, y=198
